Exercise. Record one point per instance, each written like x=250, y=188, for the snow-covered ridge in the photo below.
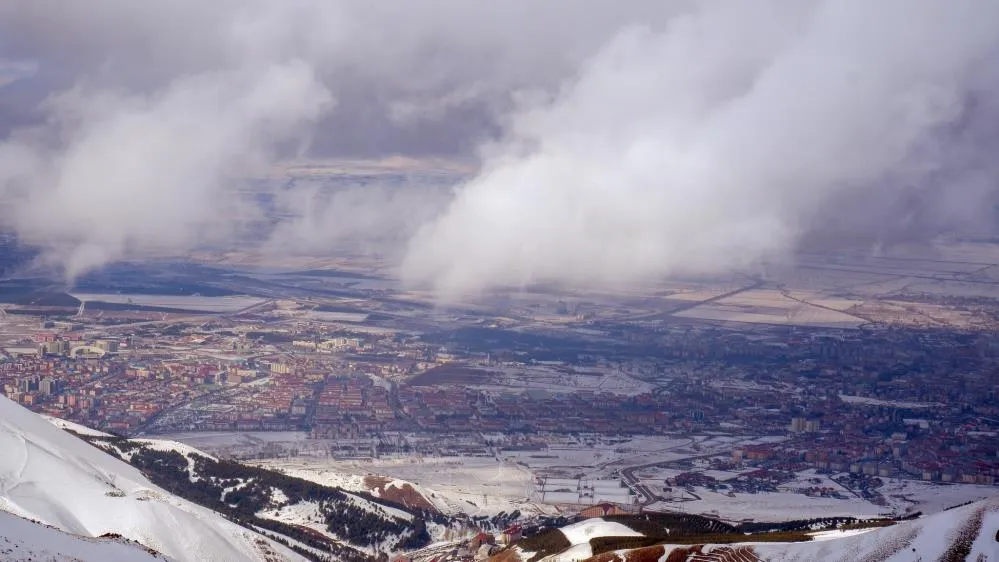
x=74, y=427
x=48, y=475
x=314, y=519
x=579, y=535
x=21, y=539
x=970, y=532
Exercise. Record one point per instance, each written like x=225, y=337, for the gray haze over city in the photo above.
x=603, y=142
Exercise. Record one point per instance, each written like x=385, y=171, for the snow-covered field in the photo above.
x=316, y=471
x=561, y=381
x=903, y=496
x=205, y=304
x=929, y=497
x=211, y=441
x=473, y=485
x=868, y=401
x=770, y=306
x=772, y=506
x=603, y=456
x=485, y=486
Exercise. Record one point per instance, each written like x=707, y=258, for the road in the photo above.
x=662, y=315
x=650, y=497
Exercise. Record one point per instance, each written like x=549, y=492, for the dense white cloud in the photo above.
x=724, y=139
x=618, y=140
x=148, y=114
x=144, y=175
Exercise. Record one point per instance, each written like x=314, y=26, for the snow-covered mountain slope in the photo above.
x=320, y=522
x=74, y=427
x=21, y=539
x=50, y=476
x=969, y=532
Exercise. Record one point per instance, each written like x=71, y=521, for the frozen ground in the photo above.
x=929, y=497
x=561, y=381
x=770, y=306
x=770, y=506
x=246, y=444
x=904, y=496
x=209, y=441
x=317, y=471
x=867, y=401
x=472, y=485
x=205, y=304
x=600, y=457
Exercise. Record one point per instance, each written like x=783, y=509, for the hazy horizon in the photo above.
x=596, y=143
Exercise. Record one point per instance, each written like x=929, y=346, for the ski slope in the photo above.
x=48, y=475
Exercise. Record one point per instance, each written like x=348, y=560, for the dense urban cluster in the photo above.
x=875, y=403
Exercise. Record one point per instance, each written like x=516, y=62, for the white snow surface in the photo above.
x=21, y=539
x=50, y=476
x=75, y=427
x=575, y=553
x=582, y=532
x=835, y=534
x=165, y=445
x=927, y=538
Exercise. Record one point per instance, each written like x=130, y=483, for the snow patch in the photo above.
x=74, y=427
x=582, y=532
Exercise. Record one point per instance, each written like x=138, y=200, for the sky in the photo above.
x=609, y=141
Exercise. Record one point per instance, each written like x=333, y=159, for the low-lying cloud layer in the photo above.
x=617, y=141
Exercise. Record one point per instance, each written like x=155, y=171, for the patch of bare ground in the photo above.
x=405, y=495
x=694, y=553
x=506, y=555
x=697, y=553
x=889, y=548
x=650, y=554
x=962, y=539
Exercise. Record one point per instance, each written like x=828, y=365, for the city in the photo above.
x=457, y=281
x=678, y=413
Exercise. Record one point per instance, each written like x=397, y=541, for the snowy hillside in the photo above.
x=50, y=476
x=969, y=532
x=319, y=522
x=579, y=535
x=21, y=539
